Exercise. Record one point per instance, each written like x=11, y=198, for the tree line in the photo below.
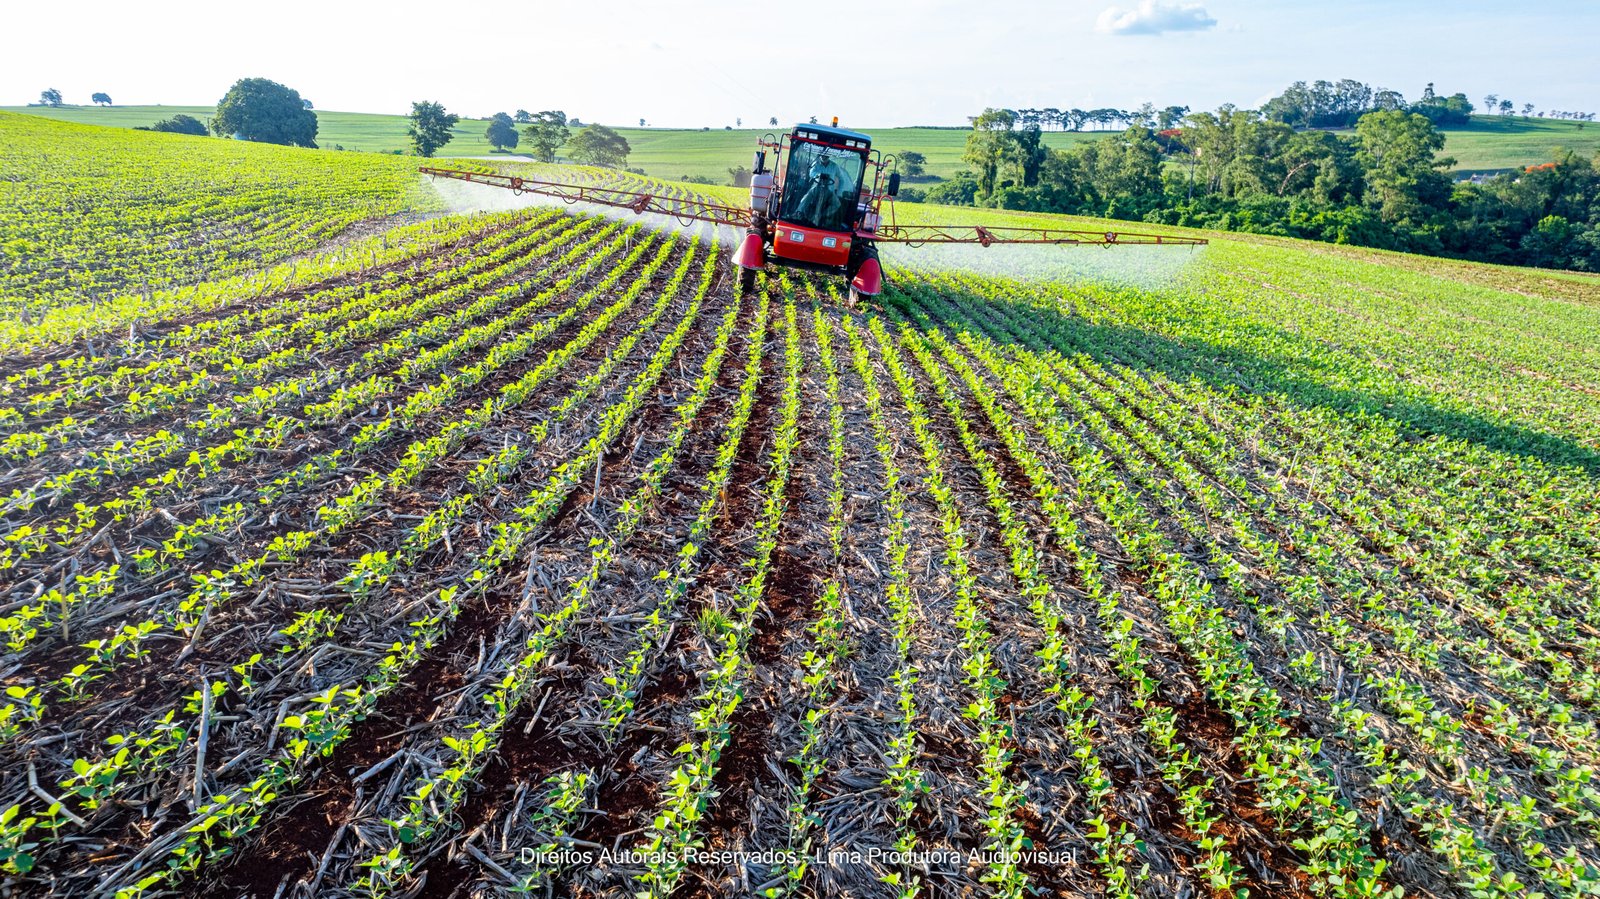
x=1382, y=185
x=1319, y=104
x=548, y=131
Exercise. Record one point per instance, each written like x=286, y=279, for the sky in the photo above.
x=878, y=64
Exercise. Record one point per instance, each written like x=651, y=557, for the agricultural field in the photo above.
x=89, y=212
x=517, y=552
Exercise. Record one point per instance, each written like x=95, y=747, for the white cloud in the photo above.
x=1151, y=17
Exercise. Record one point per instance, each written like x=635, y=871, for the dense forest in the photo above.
x=1275, y=171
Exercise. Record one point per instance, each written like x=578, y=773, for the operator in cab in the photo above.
x=823, y=199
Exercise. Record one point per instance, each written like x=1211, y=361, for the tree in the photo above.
x=522, y=117
x=988, y=145
x=911, y=163
x=1403, y=178
x=599, y=145
x=738, y=122
x=1387, y=99
x=50, y=97
x=773, y=121
x=257, y=109
x=306, y=104
x=178, y=124
x=1169, y=116
x=1490, y=101
x=430, y=127
x=1455, y=109
x=101, y=98
x=1505, y=108
x=1026, y=154
x=1128, y=171
x=641, y=123
x=546, y=132
x=1527, y=110
x=813, y=120
x=502, y=133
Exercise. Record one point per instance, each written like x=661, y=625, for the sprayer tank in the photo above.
x=760, y=191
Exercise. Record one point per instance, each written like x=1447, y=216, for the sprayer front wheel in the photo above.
x=747, y=280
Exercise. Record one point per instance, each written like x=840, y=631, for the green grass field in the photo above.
x=370, y=132
x=676, y=153
x=1489, y=143
x=1493, y=142
x=661, y=152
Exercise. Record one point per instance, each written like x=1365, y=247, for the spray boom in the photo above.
x=816, y=208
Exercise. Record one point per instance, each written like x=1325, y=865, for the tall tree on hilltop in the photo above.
x=258, y=109
x=430, y=127
x=502, y=132
x=1404, y=180
x=599, y=145
x=988, y=145
x=546, y=132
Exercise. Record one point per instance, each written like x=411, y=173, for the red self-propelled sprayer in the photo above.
x=817, y=207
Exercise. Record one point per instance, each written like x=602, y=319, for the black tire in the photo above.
x=747, y=280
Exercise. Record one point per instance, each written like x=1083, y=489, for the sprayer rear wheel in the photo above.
x=747, y=280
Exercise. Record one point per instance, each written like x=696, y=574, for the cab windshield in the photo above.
x=821, y=186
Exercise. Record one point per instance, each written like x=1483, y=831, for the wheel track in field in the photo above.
x=539, y=742
x=718, y=651
x=638, y=750
x=1036, y=759
x=744, y=777
x=852, y=746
